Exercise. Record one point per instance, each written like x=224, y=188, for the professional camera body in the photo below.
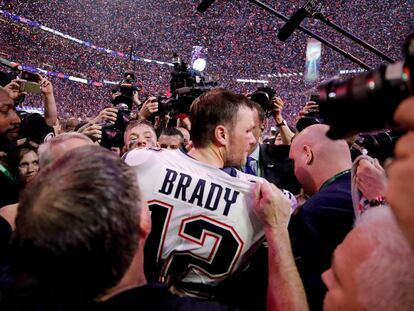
x=113, y=134
x=186, y=85
x=264, y=97
x=368, y=101
x=126, y=87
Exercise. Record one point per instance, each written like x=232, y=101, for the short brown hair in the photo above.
x=77, y=224
x=215, y=107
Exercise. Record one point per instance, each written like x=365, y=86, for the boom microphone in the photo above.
x=293, y=23
x=204, y=5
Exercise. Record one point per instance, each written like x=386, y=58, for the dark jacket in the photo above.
x=277, y=168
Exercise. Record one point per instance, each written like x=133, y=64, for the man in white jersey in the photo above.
x=203, y=224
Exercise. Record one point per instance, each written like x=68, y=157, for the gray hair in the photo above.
x=386, y=279
x=53, y=148
x=77, y=226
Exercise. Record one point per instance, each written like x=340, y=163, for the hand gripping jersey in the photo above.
x=203, y=225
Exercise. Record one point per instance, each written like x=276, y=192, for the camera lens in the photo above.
x=366, y=102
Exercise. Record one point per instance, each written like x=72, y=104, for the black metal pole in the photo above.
x=313, y=35
x=351, y=36
x=131, y=51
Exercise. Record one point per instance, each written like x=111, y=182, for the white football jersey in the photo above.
x=203, y=225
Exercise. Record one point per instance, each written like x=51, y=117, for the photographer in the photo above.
x=273, y=107
x=284, y=130
x=9, y=127
x=14, y=90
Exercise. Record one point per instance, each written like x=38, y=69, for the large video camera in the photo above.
x=368, y=101
x=186, y=85
x=126, y=87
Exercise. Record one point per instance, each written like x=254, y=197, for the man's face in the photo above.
x=257, y=131
x=170, y=142
x=241, y=138
x=9, y=120
x=340, y=279
x=141, y=136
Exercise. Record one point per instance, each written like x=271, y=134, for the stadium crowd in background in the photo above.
x=119, y=196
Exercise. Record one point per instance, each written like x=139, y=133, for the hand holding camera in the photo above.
x=277, y=109
x=93, y=131
x=149, y=107
x=311, y=109
x=106, y=115
x=13, y=89
x=46, y=86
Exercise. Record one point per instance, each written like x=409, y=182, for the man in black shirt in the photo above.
x=9, y=127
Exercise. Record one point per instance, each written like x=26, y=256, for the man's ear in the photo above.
x=308, y=154
x=221, y=134
x=144, y=222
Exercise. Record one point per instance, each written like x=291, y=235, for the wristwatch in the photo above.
x=281, y=123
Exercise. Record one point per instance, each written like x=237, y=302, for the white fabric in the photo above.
x=156, y=170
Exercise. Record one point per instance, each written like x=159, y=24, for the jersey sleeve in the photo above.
x=139, y=156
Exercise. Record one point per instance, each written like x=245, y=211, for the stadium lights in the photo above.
x=343, y=72
x=199, y=64
x=252, y=81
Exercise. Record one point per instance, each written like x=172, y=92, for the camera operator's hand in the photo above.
x=310, y=107
x=46, y=88
x=149, y=107
x=135, y=99
x=277, y=108
x=284, y=130
x=93, y=131
x=106, y=115
x=371, y=179
x=13, y=89
x=161, y=121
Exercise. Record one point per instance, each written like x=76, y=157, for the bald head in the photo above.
x=317, y=157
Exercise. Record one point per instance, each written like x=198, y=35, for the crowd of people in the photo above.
x=240, y=39
x=221, y=199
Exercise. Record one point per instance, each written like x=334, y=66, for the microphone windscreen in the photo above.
x=204, y=5
x=293, y=23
